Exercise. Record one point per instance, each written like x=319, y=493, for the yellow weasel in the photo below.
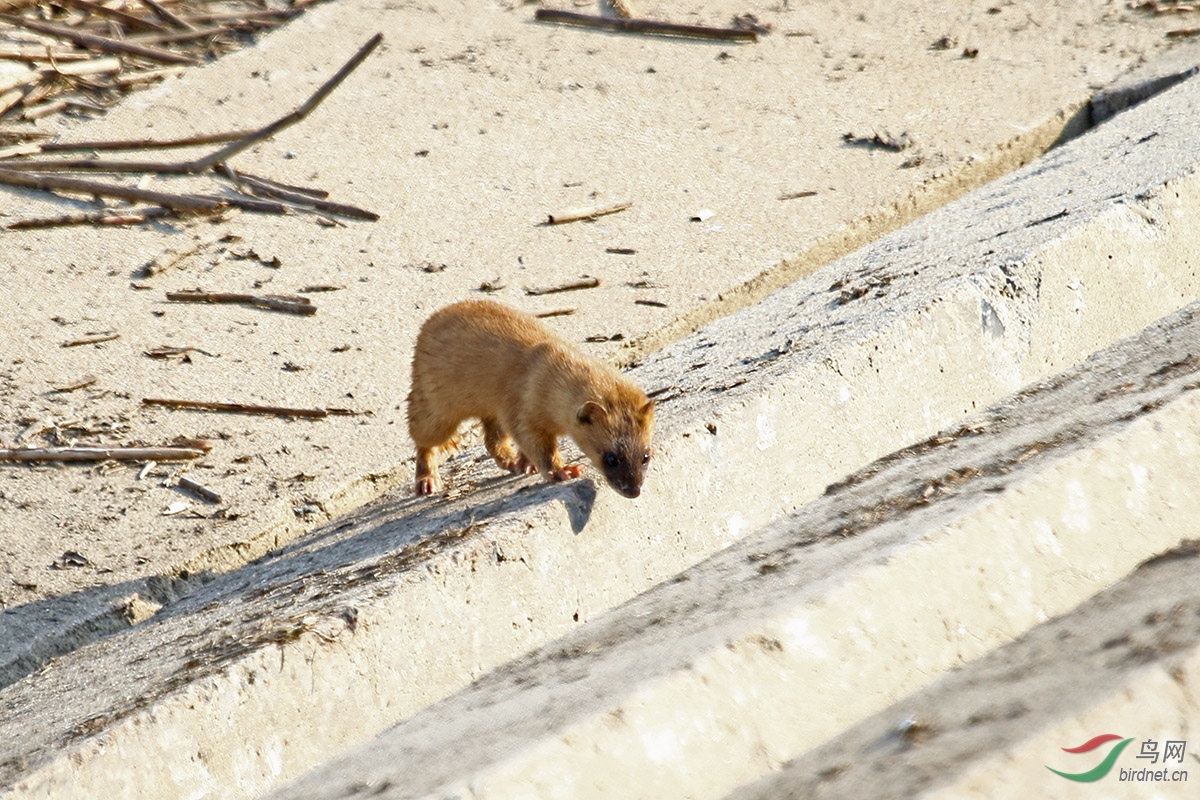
x=479, y=359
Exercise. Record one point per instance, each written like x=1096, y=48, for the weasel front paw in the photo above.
x=566, y=473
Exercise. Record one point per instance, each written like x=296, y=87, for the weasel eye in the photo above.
x=645, y=458
x=610, y=460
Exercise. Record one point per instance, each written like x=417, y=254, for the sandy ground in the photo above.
x=467, y=127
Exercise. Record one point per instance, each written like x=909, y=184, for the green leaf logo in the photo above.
x=1101, y=769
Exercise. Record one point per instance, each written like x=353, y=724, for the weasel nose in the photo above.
x=631, y=491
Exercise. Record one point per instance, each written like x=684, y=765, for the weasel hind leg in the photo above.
x=500, y=446
x=434, y=436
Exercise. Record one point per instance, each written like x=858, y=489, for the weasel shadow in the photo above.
x=401, y=519
x=395, y=532
x=579, y=502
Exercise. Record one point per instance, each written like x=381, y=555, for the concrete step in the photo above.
x=1126, y=661
x=916, y=564
x=267, y=671
x=459, y=98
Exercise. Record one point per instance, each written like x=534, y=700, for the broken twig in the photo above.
x=555, y=312
x=27, y=454
x=297, y=198
x=175, y=352
x=586, y=282
x=178, y=202
x=198, y=489
x=39, y=174
x=646, y=26
x=101, y=10
x=168, y=17
x=248, y=203
x=92, y=66
x=287, y=187
x=78, y=383
x=144, y=144
x=99, y=42
x=585, y=213
x=110, y=217
x=99, y=165
x=92, y=338
x=1167, y=7
x=27, y=149
x=130, y=20
x=241, y=408
x=292, y=304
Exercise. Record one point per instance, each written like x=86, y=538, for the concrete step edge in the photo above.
x=1126, y=661
x=921, y=563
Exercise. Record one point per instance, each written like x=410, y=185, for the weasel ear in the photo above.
x=647, y=411
x=590, y=412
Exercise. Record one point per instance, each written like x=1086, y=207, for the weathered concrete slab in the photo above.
x=1127, y=661
x=464, y=130
x=250, y=681
x=918, y=563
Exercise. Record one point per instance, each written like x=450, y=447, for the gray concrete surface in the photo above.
x=269, y=670
x=464, y=130
x=919, y=562
x=1126, y=661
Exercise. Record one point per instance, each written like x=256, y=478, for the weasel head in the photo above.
x=615, y=435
